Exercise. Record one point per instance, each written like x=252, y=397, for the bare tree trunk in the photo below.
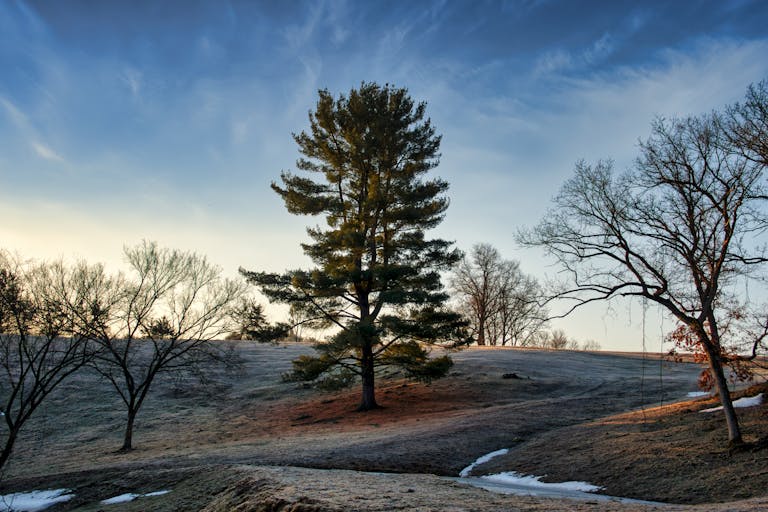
x=8, y=448
x=128, y=437
x=481, y=329
x=721, y=384
x=367, y=369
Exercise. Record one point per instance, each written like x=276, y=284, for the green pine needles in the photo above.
x=366, y=162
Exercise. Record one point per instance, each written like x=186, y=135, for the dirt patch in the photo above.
x=401, y=403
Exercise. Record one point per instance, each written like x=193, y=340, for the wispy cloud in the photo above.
x=133, y=78
x=599, y=50
x=14, y=113
x=24, y=128
x=560, y=60
x=46, y=152
x=552, y=61
x=31, y=19
x=637, y=20
x=336, y=19
x=601, y=115
x=300, y=34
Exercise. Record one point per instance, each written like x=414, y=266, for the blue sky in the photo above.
x=168, y=120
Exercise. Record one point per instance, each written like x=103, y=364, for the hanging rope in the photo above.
x=746, y=289
x=642, y=365
x=661, y=363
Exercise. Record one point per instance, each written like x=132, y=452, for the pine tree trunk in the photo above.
x=721, y=384
x=128, y=438
x=367, y=370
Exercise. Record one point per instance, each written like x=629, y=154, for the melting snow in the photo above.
x=520, y=480
x=523, y=485
x=33, y=500
x=156, y=493
x=124, y=498
x=697, y=394
x=741, y=402
x=485, y=458
x=527, y=485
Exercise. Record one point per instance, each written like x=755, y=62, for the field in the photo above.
x=248, y=441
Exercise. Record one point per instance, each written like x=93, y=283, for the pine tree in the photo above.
x=377, y=276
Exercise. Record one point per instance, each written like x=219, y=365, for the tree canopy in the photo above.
x=365, y=163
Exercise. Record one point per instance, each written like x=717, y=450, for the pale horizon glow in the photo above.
x=122, y=122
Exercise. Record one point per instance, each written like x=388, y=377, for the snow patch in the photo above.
x=33, y=500
x=522, y=485
x=741, y=402
x=156, y=493
x=481, y=460
x=123, y=498
x=129, y=496
x=519, y=480
x=697, y=394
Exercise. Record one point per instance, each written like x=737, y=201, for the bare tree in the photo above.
x=296, y=323
x=677, y=229
x=519, y=314
x=558, y=340
x=159, y=319
x=476, y=280
x=539, y=338
x=37, y=348
x=591, y=346
x=499, y=300
x=573, y=344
